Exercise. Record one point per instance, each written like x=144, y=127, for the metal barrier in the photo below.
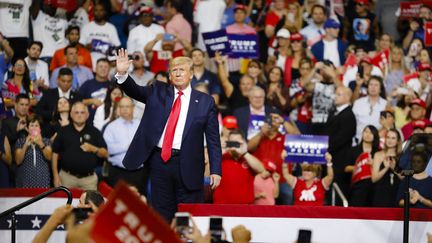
x=336, y=190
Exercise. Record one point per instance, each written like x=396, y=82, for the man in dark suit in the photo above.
x=170, y=137
x=341, y=128
x=48, y=102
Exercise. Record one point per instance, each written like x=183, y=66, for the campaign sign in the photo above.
x=216, y=41
x=306, y=148
x=126, y=218
x=428, y=34
x=243, y=46
x=409, y=10
x=255, y=124
x=100, y=46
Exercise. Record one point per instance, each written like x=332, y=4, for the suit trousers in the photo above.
x=167, y=187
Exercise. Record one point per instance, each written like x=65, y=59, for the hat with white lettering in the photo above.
x=283, y=33
x=230, y=122
x=270, y=166
x=145, y=10
x=240, y=7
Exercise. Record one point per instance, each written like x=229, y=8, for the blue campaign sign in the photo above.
x=216, y=41
x=306, y=148
x=245, y=46
x=255, y=124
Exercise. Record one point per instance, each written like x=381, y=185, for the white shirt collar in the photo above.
x=341, y=107
x=62, y=94
x=186, y=92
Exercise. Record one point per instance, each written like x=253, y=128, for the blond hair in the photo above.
x=180, y=61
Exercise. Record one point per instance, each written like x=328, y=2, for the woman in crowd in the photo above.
x=361, y=167
x=293, y=18
x=19, y=83
x=387, y=122
x=255, y=70
x=402, y=108
x=105, y=113
x=385, y=42
x=273, y=17
x=385, y=180
x=277, y=93
x=413, y=54
x=292, y=64
x=60, y=117
x=396, y=70
x=32, y=156
x=310, y=189
x=420, y=184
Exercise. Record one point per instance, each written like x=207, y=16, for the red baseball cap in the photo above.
x=365, y=2
x=418, y=102
x=230, y=122
x=240, y=7
x=296, y=37
x=146, y=10
x=424, y=67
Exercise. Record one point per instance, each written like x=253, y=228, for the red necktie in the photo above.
x=170, y=128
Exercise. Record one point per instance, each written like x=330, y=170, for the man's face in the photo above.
x=64, y=82
x=417, y=112
x=360, y=7
x=72, y=56
x=73, y=36
x=138, y=60
x=126, y=108
x=197, y=58
x=102, y=70
x=341, y=97
x=318, y=16
x=181, y=75
x=246, y=83
x=79, y=114
x=333, y=32
x=424, y=13
x=22, y=107
x=257, y=99
x=374, y=88
x=239, y=16
x=34, y=52
x=146, y=19
x=99, y=13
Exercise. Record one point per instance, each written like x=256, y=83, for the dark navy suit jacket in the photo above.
x=201, y=119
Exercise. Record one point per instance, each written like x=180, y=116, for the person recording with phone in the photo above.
x=239, y=168
x=32, y=156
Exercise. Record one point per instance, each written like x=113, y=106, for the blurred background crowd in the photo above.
x=351, y=70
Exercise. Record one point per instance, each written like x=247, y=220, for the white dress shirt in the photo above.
x=64, y=94
x=367, y=114
x=185, y=100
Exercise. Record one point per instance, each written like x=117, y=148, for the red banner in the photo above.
x=410, y=76
x=428, y=34
x=409, y=10
x=126, y=218
x=350, y=61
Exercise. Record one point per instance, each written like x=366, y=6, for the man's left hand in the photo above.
x=86, y=147
x=215, y=181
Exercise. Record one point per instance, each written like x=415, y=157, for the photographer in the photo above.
x=323, y=94
x=238, y=168
x=416, y=26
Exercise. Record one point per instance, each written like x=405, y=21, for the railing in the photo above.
x=336, y=190
x=11, y=212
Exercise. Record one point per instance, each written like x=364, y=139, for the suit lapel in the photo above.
x=169, y=101
x=193, y=106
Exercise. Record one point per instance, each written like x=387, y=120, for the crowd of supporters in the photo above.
x=352, y=70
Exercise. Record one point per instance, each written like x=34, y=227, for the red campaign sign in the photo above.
x=428, y=34
x=126, y=218
x=409, y=10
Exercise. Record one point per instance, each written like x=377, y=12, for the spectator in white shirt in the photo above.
x=144, y=33
x=118, y=136
x=38, y=69
x=367, y=109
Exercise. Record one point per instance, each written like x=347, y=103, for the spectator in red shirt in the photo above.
x=268, y=145
x=417, y=113
x=84, y=58
x=239, y=168
x=309, y=189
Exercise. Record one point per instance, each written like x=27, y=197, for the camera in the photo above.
x=269, y=120
x=232, y=144
x=304, y=236
x=216, y=229
x=361, y=71
x=81, y=214
x=182, y=224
